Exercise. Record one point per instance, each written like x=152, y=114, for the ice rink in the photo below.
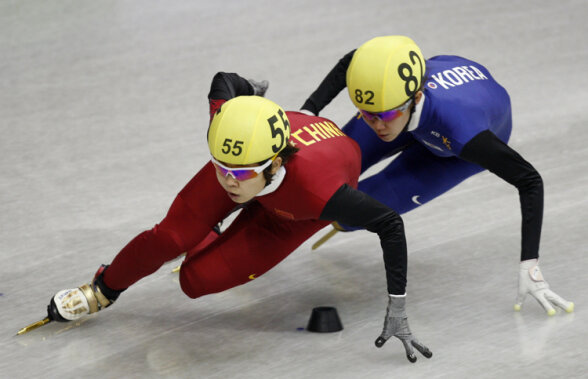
x=103, y=117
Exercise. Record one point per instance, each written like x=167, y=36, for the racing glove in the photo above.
x=259, y=88
x=531, y=282
x=396, y=324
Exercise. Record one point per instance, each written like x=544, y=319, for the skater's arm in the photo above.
x=490, y=152
x=226, y=85
x=330, y=87
x=355, y=208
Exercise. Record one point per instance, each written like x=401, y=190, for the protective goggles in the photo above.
x=241, y=173
x=386, y=116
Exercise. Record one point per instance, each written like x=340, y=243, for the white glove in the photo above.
x=307, y=112
x=396, y=324
x=259, y=88
x=531, y=282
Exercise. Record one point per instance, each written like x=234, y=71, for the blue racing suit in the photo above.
x=459, y=128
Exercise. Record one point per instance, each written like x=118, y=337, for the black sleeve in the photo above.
x=226, y=85
x=355, y=208
x=490, y=152
x=330, y=87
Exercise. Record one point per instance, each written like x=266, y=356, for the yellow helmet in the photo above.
x=384, y=73
x=247, y=130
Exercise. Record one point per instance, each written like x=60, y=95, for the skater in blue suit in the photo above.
x=447, y=119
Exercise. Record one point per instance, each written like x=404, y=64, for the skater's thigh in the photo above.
x=254, y=243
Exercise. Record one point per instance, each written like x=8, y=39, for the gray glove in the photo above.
x=396, y=324
x=259, y=88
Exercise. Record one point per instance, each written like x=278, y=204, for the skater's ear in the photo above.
x=276, y=164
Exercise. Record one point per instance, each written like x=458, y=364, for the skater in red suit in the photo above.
x=292, y=174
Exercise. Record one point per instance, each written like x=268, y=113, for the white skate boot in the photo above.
x=72, y=304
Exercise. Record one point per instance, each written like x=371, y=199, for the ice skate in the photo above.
x=72, y=304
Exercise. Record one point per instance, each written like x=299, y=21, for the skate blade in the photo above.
x=324, y=239
x=177, y=269
x=33, y=326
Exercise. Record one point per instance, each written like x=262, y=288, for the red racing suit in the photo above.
x=318, y=187
x=265, y=232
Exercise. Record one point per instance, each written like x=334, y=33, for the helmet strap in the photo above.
x=412, y=109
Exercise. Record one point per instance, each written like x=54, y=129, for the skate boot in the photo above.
x=72, y=304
